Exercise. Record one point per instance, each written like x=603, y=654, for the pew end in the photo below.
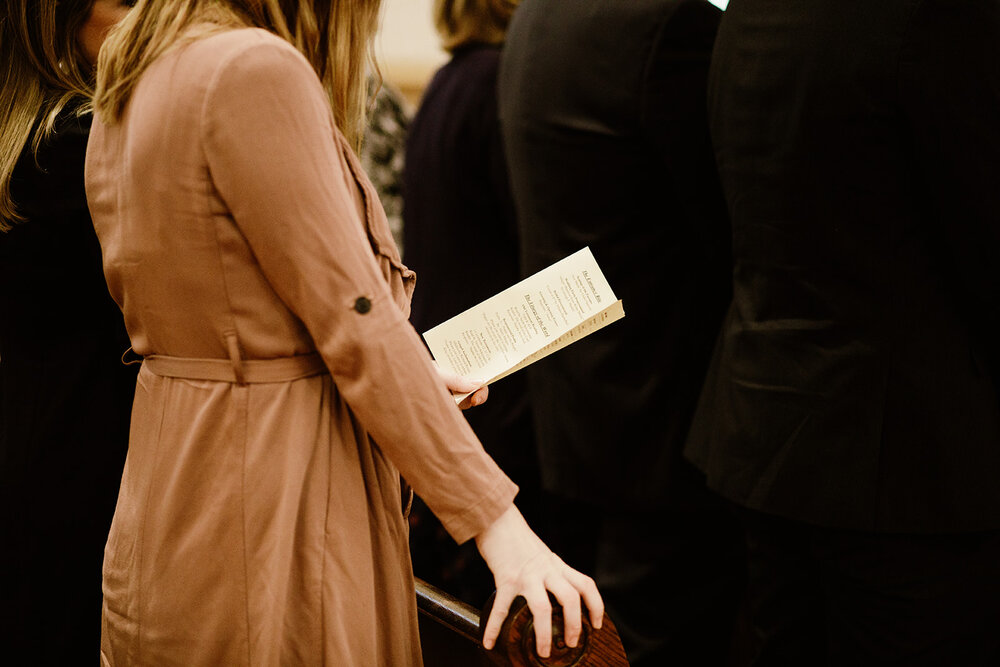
x=451, y=636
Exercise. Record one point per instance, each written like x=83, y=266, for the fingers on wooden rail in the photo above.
x=516, y=643
x=451, y=635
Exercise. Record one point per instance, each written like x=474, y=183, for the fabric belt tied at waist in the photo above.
x=241, y=371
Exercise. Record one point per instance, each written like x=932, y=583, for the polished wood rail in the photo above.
x=451, y=636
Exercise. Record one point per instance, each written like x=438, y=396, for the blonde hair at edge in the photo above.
x=43, y=69
x=335, y=36
x=461, y=22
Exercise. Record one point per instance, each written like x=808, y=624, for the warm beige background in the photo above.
x=407, y=46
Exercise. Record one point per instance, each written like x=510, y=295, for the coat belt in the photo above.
x=241, y=371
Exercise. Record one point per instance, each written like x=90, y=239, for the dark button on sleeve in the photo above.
x=362, y=305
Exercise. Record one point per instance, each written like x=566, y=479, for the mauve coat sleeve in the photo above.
x=273, y=155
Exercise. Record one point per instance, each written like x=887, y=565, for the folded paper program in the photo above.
x=541, y=314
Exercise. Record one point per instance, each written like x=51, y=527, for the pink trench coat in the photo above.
x=259, y=523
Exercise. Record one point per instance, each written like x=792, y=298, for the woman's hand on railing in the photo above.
x=523, y=565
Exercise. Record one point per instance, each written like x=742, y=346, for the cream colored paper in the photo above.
x=524, y=323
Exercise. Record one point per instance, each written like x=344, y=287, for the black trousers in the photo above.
x=672, y=580
x=819, y=596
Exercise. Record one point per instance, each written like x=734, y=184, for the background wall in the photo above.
x=407, y=46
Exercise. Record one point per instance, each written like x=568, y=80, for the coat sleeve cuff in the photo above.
x=477, y=518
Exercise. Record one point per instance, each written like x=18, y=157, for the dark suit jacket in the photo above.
x=855, y=384
x=603, y=114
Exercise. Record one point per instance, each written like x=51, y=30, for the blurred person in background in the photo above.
x=461, y=237
x=383, y=152
x=65, y=395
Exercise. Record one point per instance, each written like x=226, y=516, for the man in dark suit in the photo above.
x=603, y=115
x=852, y=406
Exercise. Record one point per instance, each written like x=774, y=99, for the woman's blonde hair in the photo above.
x=43, y=69
x=335, y=36
x=461, y=22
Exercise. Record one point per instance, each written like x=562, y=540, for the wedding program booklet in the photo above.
x=524, y=323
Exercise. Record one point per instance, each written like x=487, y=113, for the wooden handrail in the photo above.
x=516, y=644
x=449, y=611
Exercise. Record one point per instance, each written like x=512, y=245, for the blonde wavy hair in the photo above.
x=335, y=36
x=43, y=70
x=461, y=22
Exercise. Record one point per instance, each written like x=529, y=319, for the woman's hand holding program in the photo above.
x=523, y=565
x=459, y=385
